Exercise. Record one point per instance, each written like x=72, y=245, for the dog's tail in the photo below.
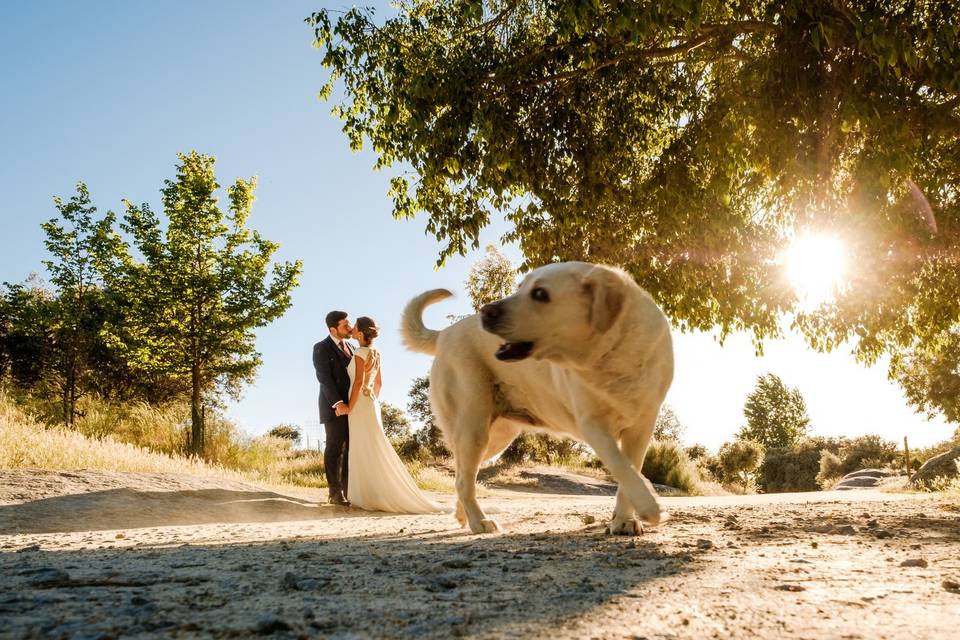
x=416, y=336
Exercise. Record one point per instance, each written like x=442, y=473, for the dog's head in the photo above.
x=557, y=311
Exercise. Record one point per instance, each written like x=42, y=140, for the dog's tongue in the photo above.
x=513, y=351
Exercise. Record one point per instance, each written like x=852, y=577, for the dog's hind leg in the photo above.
x=469, y=438
x=502, y=433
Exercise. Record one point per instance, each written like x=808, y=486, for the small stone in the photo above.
x=48, y=576
x=289, y=582
x=119, y=536
x=790, y=587
x=270, y=624
x=883, y=533
x=457, y=563
x=914, y=562
x=29, y=549
x=588, y=519
x=704, y=544
x=951, y=585
x=814, y=544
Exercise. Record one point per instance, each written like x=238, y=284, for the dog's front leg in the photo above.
x=633, y=444
x=633, y=489
x=468, y=455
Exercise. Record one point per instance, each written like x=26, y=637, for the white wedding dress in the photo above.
x=378, y=480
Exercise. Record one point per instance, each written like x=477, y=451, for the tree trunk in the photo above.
x=196, y=428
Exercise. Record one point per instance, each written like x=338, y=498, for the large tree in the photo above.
x=687, y=142
x=776, y=414
x=198, y=286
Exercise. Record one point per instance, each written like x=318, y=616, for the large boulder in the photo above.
x=870, y=473
x=862, y=479
x=941, y=466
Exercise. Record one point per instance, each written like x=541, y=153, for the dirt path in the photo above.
x=112, y=555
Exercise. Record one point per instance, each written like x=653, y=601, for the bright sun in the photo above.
x=816, y=266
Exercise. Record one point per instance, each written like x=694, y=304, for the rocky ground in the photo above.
x=100, y=555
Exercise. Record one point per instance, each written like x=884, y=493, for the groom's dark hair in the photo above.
x=334, y=318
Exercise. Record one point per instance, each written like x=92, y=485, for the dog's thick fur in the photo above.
x=595, y=360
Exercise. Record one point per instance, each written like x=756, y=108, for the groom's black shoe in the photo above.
x=338, y=500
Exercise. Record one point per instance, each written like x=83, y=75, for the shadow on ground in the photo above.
x=131, y=509
x=441, y=584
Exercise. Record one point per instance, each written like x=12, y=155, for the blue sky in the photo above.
x=109, y=92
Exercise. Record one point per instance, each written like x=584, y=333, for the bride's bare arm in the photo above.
x=358, y=382
x=377, y=384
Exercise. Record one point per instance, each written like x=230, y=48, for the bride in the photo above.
x=378, y=480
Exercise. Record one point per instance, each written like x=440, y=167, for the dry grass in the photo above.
x=25, y=443
x=102, y=441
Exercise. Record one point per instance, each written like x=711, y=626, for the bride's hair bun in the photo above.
x=368, y=328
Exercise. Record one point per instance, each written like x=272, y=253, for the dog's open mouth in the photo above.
x=514, y=350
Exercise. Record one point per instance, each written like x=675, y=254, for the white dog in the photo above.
x=579, y=351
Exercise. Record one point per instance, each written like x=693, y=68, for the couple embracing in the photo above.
x=362, y=468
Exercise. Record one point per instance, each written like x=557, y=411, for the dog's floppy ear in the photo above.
x=605, y=290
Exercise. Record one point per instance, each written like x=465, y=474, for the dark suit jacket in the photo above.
x=330, y=364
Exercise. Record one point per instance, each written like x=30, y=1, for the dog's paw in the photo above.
x=486, y=526
x=618, y=527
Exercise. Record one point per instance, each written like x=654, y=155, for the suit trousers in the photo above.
x=335, y=454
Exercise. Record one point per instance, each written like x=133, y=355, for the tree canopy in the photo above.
x=687, y=142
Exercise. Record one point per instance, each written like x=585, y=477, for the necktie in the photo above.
x=343, y=347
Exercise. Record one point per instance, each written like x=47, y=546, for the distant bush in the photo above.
x=697, y=451
x=543, y=449
x=857, y=452
x=830, y=465
x=739, y=460
x=667, y=463
x=289, y=432
x=795, y=468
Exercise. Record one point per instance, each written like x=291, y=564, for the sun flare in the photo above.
x=816, y=266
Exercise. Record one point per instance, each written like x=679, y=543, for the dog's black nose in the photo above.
x=489, y=313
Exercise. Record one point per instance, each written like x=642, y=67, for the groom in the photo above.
x=330, y=358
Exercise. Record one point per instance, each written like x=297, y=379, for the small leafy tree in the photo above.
x=79, y=245
x=429, y=435
x=491, y=279
x=739, y=459
x=289, y=432
x=668, y=425
x=396, y=424
x=202, y=287
x=776, y=415
x=27, y=326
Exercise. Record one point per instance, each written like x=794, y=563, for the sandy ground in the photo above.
x=108, y=555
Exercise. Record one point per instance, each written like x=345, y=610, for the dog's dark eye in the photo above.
x=540, y=294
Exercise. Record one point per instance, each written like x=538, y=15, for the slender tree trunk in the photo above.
x=196, y=431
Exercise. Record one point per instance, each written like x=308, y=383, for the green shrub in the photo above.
x=830, y=465
x=667, y=463
x=739, y=460
x=542, y=448
x=859, y=451
x=786, y=469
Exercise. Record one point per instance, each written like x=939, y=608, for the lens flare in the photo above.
x=816, y=267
